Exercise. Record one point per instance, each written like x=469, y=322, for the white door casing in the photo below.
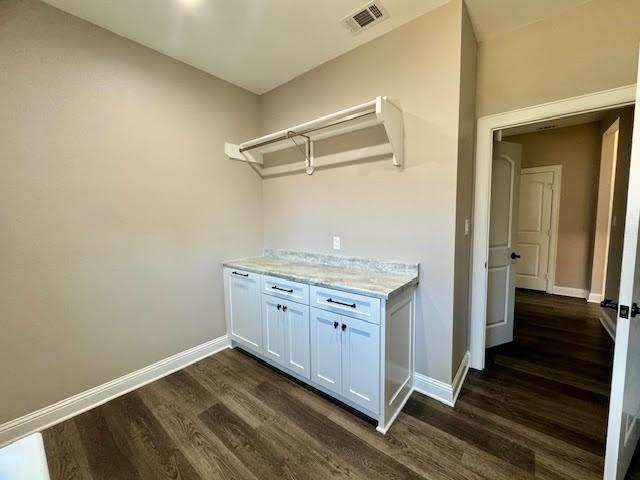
x=535, y=235
x=501, y=268
x=624, y=408
x=486, y=127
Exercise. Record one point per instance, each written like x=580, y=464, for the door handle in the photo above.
x=514, y=255
x=634, y=309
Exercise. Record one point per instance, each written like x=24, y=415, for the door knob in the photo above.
x=344, y=327
x=335, y=324
x=284, y=308
x=635, y=310
x=279, y=306
x=514, y=255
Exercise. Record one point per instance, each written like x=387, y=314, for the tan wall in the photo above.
x=378, y=210
x=577, y=149
x=117, y=205
x=586, y=49
x=464, y=191
x=619, y=209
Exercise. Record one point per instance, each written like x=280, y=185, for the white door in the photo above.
x=501, y=271
x=360, y=362
x=274, y=329
x=242, y=296
x=624, y=409
x=296, y=324
x=326, y=349
x=533, y=238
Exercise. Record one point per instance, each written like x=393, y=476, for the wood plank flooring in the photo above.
x=538, y=411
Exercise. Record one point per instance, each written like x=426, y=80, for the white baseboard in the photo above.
x=608, y=320
x=72, y=406
x=595, y=297
x=441, y=391
x=570, y=292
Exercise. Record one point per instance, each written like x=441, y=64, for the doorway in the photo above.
x=622, y=433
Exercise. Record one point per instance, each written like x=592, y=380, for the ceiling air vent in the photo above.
x=365, y=17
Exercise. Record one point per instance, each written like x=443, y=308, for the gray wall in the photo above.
x=378, y=210
x=585, y=49
x=117, y=205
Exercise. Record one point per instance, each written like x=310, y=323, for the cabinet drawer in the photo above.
x=345, y=303
x=279, y=287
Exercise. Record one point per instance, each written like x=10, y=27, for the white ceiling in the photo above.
x=261, y=44
x=256, y=44
x=492, y=18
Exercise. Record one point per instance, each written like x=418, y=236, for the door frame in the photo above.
x=486, y=126
x=555, y=219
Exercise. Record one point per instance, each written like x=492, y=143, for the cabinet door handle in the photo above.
x=344, y=327
x=240, y=274
x=279, y=306
x=275, y=287
x=335, y=324
x=284, y=308
x=350, y=305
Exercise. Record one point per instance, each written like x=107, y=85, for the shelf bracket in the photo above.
x=391, y=118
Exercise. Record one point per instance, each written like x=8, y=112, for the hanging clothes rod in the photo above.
x=290, y=134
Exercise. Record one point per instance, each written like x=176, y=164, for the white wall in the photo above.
x=117, y=205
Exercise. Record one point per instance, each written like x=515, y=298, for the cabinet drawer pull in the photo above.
x=350, y=305
x=275, y=287
x=240, y=274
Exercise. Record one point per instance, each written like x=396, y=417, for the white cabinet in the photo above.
x=361, y=362
x=242, y=298
x=286, y=334
x=326, y=350
x=345, y=357
x=274, y=329
x=296, y=324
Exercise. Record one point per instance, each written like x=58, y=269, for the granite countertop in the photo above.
x=362, y=276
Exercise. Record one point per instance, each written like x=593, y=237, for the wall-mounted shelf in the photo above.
x=379, y=111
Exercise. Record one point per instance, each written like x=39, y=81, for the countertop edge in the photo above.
x=317, y=283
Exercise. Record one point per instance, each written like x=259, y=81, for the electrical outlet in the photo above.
x=467, y=227
x=336, y=243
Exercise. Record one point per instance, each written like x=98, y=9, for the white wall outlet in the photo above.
x=467, y=227
x=336, y=243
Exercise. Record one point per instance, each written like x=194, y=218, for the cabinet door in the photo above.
x=326, y=350
x=243, y=308
x=273, y=328
x=297, y=337
x=361, y=363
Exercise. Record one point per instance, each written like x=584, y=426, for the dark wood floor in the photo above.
x=537, y=411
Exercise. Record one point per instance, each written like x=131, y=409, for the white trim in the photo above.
x=607, y=99
x=384, y=430
x=608, y=321
x=76, y=404
x=441, y=391
x=595, y=297
x=556, y=191
x=571, y=292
